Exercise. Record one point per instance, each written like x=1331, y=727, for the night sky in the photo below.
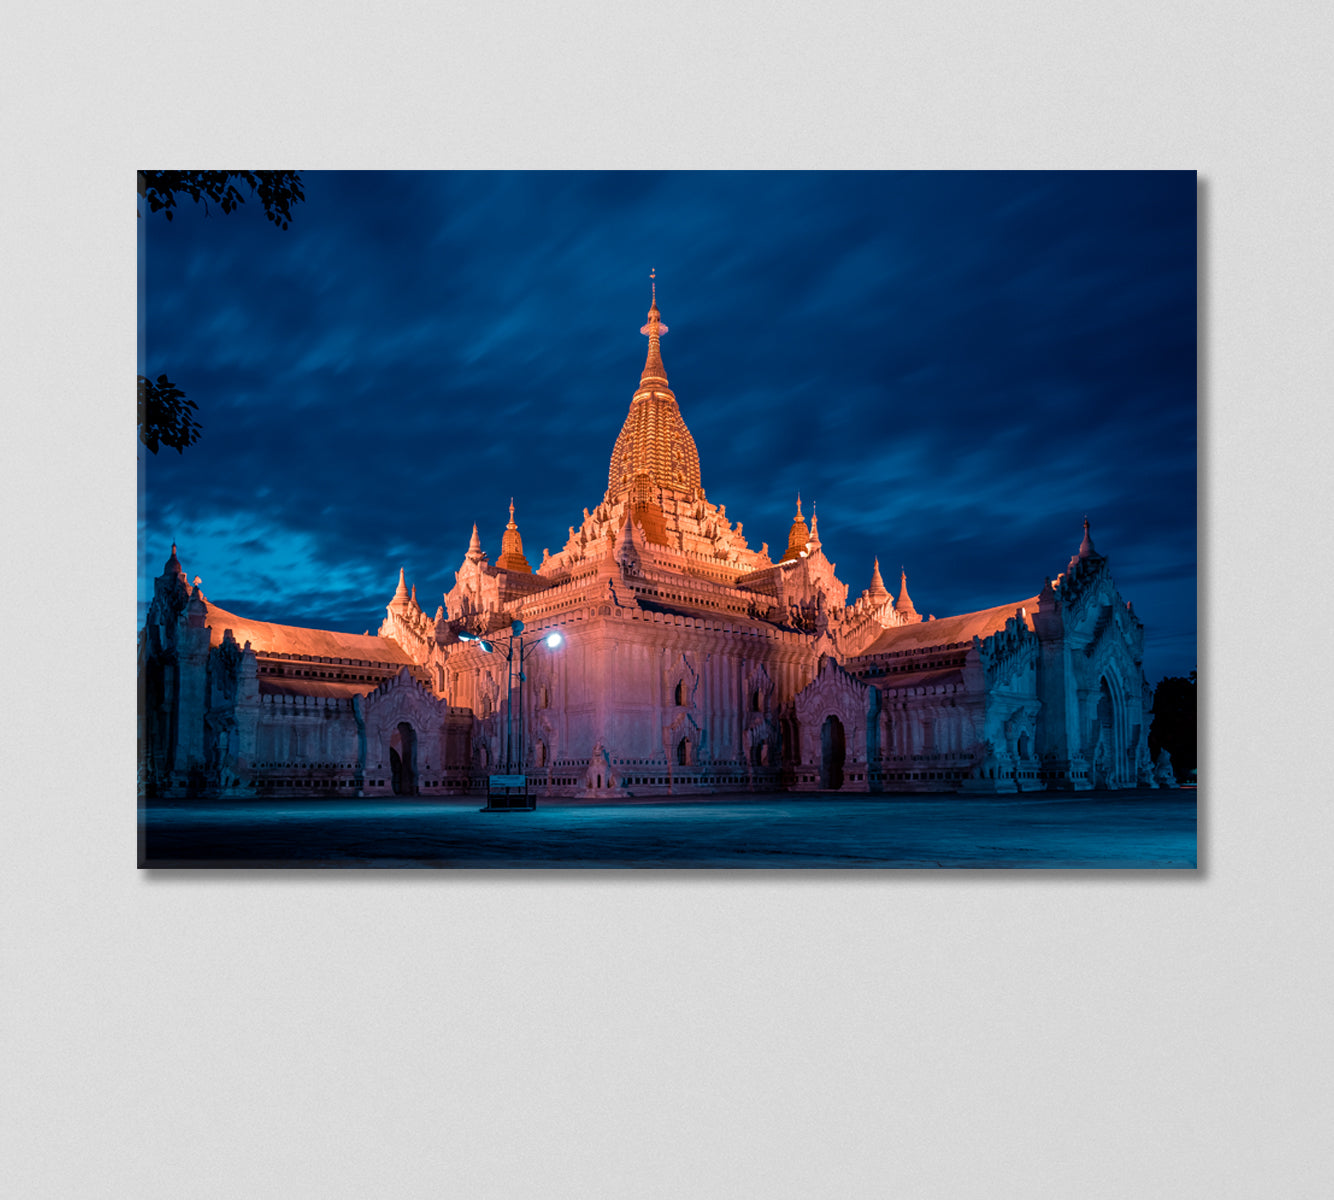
x=954, y=368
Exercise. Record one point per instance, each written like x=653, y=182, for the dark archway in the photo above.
x=789, y=747
x=403, y=760
x=833, y=754
x=683, y=753
x=1106, y=756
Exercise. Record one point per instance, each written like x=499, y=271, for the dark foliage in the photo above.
x=1174, y=723
x=165, y=415
x=277, y=190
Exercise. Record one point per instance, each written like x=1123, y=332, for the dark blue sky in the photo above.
x=954, y=367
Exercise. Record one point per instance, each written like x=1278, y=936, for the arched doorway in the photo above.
x=789, y=748
x=403, y=760
x=833, y=753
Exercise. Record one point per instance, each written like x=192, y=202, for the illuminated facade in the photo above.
x=691, y=663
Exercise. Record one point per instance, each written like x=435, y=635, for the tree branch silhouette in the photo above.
x=166, y=417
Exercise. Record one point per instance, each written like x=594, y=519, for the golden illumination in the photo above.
x=654, y=440
x=511, y=548
x=797, y=536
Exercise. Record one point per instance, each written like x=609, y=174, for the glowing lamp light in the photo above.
x=553, y=640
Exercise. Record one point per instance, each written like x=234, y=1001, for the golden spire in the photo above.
x=654, y=440
x=401, y=598
x=904, y=603
x=654, y=371
x=877, y=591
x=511, y=548
x=797, y=536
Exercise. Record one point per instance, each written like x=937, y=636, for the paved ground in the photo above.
x=1119, y=829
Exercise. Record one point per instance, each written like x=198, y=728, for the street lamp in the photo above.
x=515, y=773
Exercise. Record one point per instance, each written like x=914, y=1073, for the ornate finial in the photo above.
x=877, y=590
x=797, y=536
x=173, y=565
x=1086, y=546
x=653, y=283
x=401, y=593
x=904, y=603
x=511, y=548
x=654, y=371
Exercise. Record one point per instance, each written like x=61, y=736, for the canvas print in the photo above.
x=703, y=519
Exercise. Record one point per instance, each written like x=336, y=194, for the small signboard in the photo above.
x=509, y=793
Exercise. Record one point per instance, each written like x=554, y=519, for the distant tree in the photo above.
x=1173, y=726
x=165, y=415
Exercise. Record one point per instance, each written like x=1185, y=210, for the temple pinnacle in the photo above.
x=511, y=548
x=1086, y=546
x=474, y=546
x=654, y=371
x=654, y=441
x=904, y=603
x=797, y=536
x=877, y=590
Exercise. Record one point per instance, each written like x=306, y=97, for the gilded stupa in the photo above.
x=654, y=448
x=511, y=548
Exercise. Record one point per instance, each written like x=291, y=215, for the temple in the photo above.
x=689, y=662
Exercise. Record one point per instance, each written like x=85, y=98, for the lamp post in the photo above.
x=515, y=776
